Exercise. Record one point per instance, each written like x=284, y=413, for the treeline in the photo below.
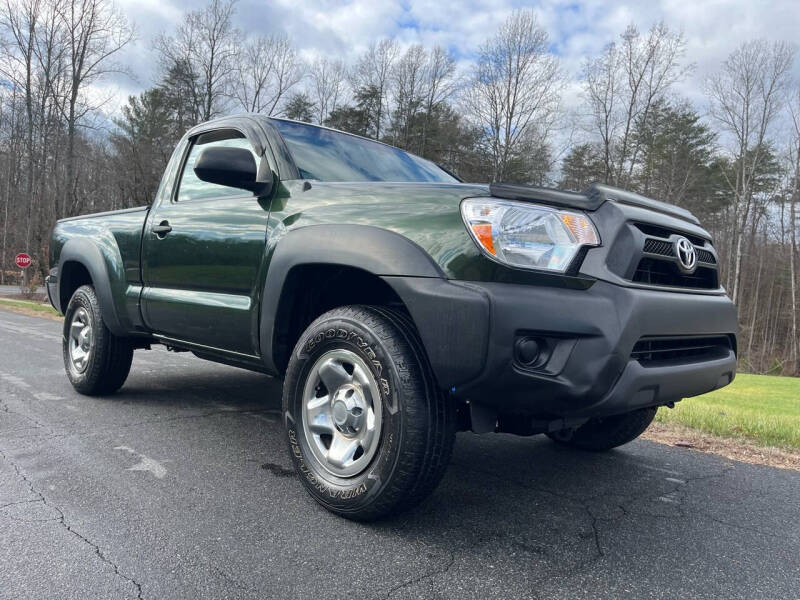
x=734, y=160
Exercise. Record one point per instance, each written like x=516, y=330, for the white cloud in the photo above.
x=577, y=29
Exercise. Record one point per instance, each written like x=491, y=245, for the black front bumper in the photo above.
x=470, y=331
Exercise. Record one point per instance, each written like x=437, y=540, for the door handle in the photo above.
x=162, y=229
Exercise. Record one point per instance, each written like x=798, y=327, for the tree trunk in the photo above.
x=792, y=272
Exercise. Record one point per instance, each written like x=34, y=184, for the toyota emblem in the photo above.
x=687, y=255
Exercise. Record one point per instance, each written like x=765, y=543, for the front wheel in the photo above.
x=97, y=362
x=607, y=432
x=368, y=430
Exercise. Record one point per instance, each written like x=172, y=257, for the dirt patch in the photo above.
x=734, y=448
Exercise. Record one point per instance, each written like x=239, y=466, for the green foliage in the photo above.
x=582, y=166
x=299, y=108
x=180, y=88
x=361, y=118
x=676, y=150
x=761, y=408
x=146, y=135
x=442, y=136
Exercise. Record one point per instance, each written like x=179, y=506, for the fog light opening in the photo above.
x=529, y=350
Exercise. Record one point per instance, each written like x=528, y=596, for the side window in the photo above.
x=168, y=179
x=192, y=187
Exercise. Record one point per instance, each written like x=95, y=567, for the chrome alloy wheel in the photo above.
x=81, y=340
x=342, y=413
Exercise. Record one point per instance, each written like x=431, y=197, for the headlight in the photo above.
x=528, y=235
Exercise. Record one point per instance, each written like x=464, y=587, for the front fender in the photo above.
x=372, y=249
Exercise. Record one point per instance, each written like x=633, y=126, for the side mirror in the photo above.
x=232, y=167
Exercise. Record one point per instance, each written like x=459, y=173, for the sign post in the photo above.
x=23, y=261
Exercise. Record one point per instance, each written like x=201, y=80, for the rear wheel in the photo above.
x=608, y=432
x=97, y=362
x=368, y=431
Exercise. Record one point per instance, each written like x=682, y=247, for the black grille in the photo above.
x=659, y=247
x=665, y=273
x=653, y=350
x=704, y=256
x=663, y=232
x=665, y=248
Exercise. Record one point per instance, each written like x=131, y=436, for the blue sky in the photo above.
x=577, y=29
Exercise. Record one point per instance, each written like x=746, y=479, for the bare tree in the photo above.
x=268, y=68
x=204, y=51
x=327, y=86
x=94, y=31
x=602, y=77
x=20, y=19
x=408, y=81
x=439, y=85
x=515, y=89
x=623, y=84
x=746, y=96
x=373, y=70
x=794, y=158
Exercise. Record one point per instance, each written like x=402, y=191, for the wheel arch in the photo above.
x=360, y=256
x=81, y=262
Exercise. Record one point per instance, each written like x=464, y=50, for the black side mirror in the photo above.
x=233, y=167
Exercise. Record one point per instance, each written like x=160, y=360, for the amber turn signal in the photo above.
x=483, y=233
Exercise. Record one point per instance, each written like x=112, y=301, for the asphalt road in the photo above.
x=180, y=486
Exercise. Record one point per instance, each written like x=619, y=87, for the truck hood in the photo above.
x=590, y=200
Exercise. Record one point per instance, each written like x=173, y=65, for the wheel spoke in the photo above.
x=333, y=375
x=342, y=450
x=75, y=329
x=315, y=405
x=322, y=425
x=79, y=356
x=80, y=339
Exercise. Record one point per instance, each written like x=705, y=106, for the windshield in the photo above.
x=327, y=155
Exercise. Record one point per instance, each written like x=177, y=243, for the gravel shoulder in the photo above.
x=735, y=448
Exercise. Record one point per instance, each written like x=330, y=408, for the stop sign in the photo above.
x=23, y=260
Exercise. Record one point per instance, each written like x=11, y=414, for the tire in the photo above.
x=608, y=432
x=96, y=362
x=401, y=459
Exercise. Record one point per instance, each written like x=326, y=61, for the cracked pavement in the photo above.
x=180, y=486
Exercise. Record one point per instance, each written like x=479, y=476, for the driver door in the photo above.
x=202, y=252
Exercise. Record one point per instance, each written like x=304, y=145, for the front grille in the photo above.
x=704, y=256
x=660, y=247
x=663, y=232
x=654, y=350
x=665, y=273
x=665, y=248
x=657, y=262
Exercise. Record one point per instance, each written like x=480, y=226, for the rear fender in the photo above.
x=102, y=260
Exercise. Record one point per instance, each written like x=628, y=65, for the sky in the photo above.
x=577, y=29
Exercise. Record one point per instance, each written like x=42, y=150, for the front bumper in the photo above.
x=470, y=329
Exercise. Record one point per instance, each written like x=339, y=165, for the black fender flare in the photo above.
x=89, y=255
x=375, y=250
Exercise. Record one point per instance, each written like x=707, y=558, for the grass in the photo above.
x=760, y=408
x=26, y=305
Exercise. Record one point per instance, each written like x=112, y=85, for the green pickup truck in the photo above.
x=399, y=304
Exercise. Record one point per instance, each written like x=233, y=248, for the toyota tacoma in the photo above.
x=398, y=304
